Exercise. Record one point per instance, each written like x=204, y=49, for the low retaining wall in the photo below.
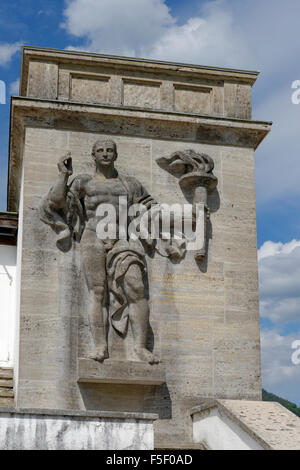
x=33, y=429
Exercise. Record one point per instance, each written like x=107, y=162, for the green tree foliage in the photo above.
x=266, y=396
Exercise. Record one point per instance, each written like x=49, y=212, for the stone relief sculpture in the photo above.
x=114, y=266
x=195, y=173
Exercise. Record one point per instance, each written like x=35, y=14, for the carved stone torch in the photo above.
x=196, y=179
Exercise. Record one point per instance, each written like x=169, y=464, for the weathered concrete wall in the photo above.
x=204, y=315
x=45, y=430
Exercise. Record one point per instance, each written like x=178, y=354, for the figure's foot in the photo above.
x=146, y=356
x=64, y=240
x=99, y=354
x=64, y=235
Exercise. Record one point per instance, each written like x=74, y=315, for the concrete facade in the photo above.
x=204, y=316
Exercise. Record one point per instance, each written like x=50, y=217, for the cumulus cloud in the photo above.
x=278, y=157
x=7, y=51
x=146, y=28
x=110, y=26
x=211, y=39
x=279, y=373
x=279, y=281
x=271, y=29
x=271, y=248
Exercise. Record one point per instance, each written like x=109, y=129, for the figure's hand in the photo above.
x=65, y=165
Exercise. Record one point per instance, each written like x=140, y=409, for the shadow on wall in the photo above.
x=127, y=398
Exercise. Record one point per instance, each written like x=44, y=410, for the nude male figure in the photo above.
x=114, y=269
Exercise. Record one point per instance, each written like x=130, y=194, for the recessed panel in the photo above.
x=193, y=99
x=144, y=95
x=90, y=90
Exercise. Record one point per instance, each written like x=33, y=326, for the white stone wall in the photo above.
x=218, y=432
x=8, y=256
x=33, y=430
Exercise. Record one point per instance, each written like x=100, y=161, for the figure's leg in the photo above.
x=138, y=312
x=93, y=256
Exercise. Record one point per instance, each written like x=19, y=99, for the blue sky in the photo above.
x=253, y=34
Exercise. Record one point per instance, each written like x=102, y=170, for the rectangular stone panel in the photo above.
x=42, y=80
x=144, y=94
x=63, y=84
x=90, y=89
x=192, y=99
x=237, y=100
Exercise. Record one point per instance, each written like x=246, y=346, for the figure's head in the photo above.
x=104, y=152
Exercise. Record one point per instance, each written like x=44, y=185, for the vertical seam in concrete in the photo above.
x=57, y=82
x=223, y=101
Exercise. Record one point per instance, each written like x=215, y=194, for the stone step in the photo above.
x=5, y=401
x=6, y=387
x=8, y=383
x=6, y=373
x=6, y=392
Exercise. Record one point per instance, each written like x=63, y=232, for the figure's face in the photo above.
x=105, y=153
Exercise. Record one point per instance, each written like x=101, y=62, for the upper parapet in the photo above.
x=62, y=75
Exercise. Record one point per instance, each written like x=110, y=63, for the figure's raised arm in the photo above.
x=61, y=207
x=57, y=195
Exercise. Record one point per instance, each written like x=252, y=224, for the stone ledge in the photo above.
x=6, y=372
x=47, y=53
x=123, y=415
x=120, y=372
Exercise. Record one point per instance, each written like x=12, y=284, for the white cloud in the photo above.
x=271, y=29
x=271, y=248
x=278, y=156
x=279, y=311
x=272, y=32
x=146, y=28
x=221, y=32
x=280, y=375
x=112, y=26
x=14, y=87
x=279, y=281
x=7, y=51
x=211, y=39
